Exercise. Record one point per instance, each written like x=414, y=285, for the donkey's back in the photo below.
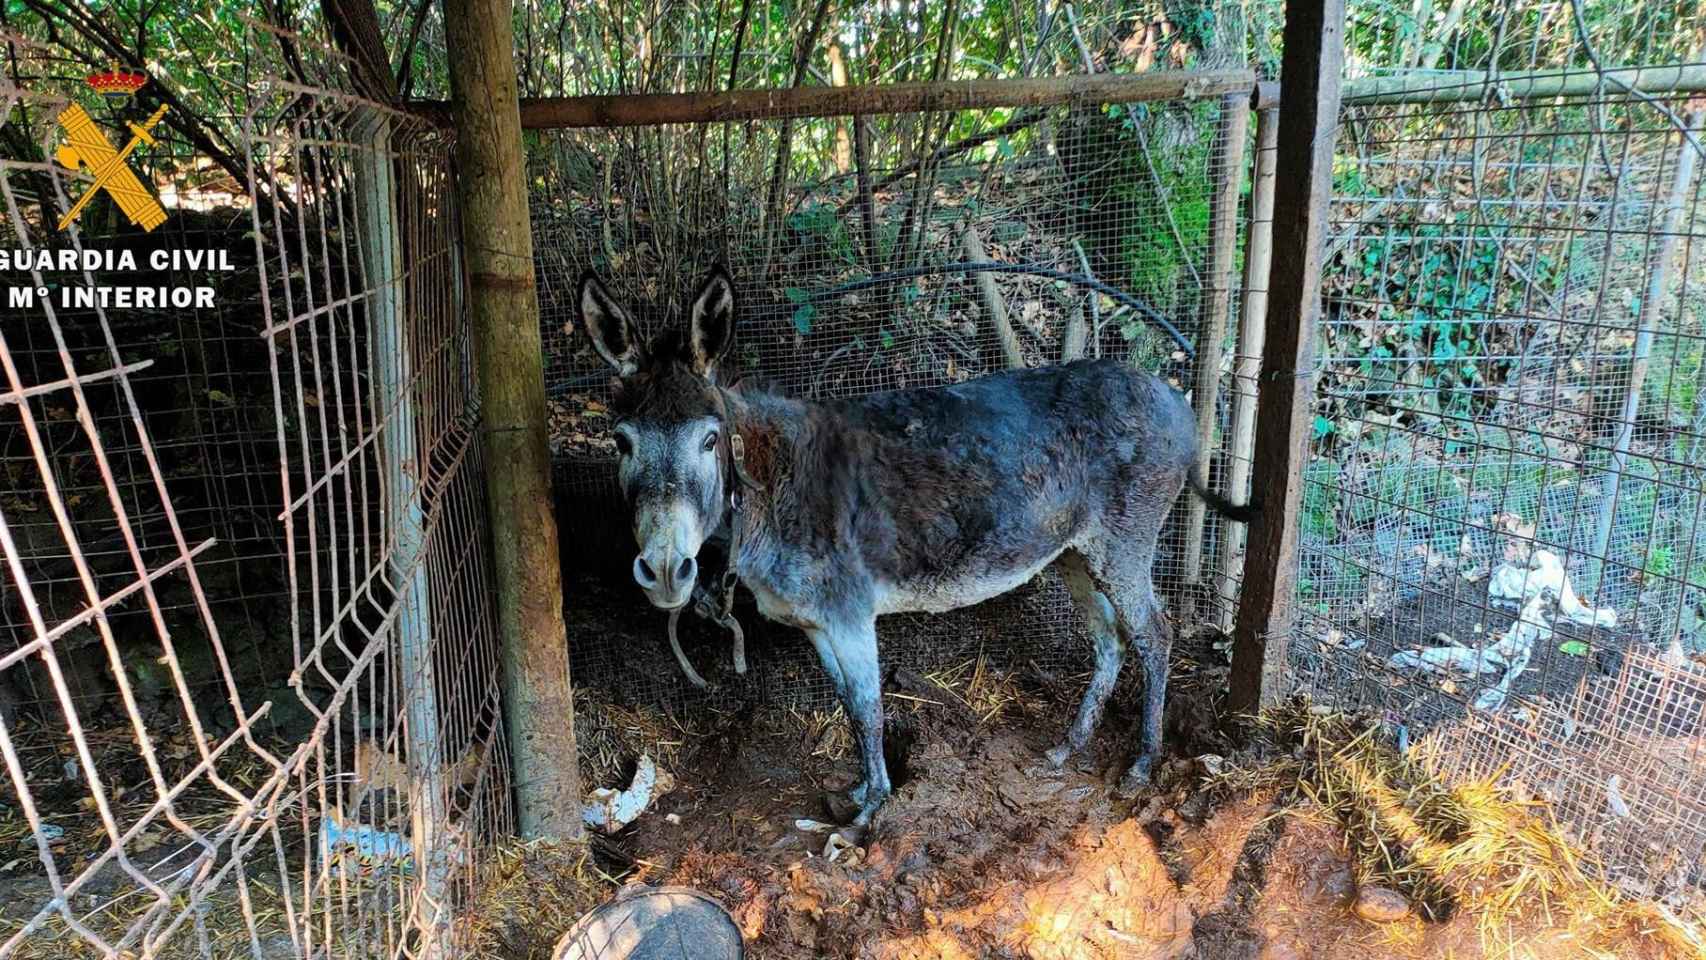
x=961, y=493
x=1100, y=413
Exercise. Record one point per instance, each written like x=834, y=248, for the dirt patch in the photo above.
x=981, y=849
x=983, y=852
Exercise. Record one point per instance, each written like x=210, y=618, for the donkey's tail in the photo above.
x=1243, y=513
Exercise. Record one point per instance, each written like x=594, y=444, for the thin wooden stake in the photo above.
x=1258, y=260
x=504, y=307
x=1309, y=120
x=994, y=302
x=1228, y=174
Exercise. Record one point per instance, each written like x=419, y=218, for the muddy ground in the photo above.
x=984, y=852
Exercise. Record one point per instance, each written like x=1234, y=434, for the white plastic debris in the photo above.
x=1510, y=653
x=1520, y=584
x=357, y=849
x=1517, y=645
x=1675, y=656
x=838, y=846
x=1614, y=797
x=608, y=811
x=812, y=826
x=1472, y=660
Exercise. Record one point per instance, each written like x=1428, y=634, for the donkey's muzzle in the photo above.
x=667, y=580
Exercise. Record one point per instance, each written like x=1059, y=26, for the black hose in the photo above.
x=990, y=266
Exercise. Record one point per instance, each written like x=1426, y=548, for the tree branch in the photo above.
x=406, y=66
x=180, y=117
x=785, y=140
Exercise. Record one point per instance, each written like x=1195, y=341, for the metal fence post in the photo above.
x=504, y=309
x=405, y=527
x=1308, y=129
x=1660, y=267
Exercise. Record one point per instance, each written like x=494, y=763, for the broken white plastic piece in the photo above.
x=1614, y=797
x=608, y=811
x=361, y=849
x=1519, y=585
x=1510, y=653
x=812, y=826
x=836, y=847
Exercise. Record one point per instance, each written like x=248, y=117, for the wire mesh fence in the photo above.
x=849, y=240
x=248, y=705
x=1501, y=510
x=249, y=691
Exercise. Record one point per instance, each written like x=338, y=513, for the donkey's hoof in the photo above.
x=1057, y=757
x=1135, y=780
x=855, y=834
x=842, y=808
x=873, y=802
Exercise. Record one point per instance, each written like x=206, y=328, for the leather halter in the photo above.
x=720, y=610
x=735, y=478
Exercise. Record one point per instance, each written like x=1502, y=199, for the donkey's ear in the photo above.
x=612, y=332
x=711, y=322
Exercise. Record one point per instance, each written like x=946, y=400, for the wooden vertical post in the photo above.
x=1228, y=174
x=994, y=302
x=1308, y=127
x=1258, y=259
x=504, y=308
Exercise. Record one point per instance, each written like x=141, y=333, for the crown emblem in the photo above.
x=116, y=85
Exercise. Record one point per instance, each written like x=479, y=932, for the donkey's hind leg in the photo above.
x=1110, y=653
x=1123, y=576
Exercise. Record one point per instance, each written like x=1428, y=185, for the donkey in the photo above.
x=912, y=500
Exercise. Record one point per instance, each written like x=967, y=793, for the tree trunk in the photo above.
x=843, y=135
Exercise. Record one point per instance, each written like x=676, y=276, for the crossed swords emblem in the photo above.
x=90, y=148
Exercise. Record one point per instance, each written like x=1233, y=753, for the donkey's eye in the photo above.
x=624, y=446
x=710, y=441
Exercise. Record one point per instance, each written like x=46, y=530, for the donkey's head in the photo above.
x=669, y=429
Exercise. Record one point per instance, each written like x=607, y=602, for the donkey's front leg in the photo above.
x=848, y=649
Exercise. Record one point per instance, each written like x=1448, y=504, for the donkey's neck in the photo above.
x=795, y=530
x=773, y=429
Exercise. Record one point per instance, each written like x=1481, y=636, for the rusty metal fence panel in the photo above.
x=1509, y=402
x=152, y=807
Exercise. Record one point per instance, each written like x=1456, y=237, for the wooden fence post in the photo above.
x=1227, y=172
x=994, y=302
x=504, y=308
x=1308, y=128
x=1258, y=260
